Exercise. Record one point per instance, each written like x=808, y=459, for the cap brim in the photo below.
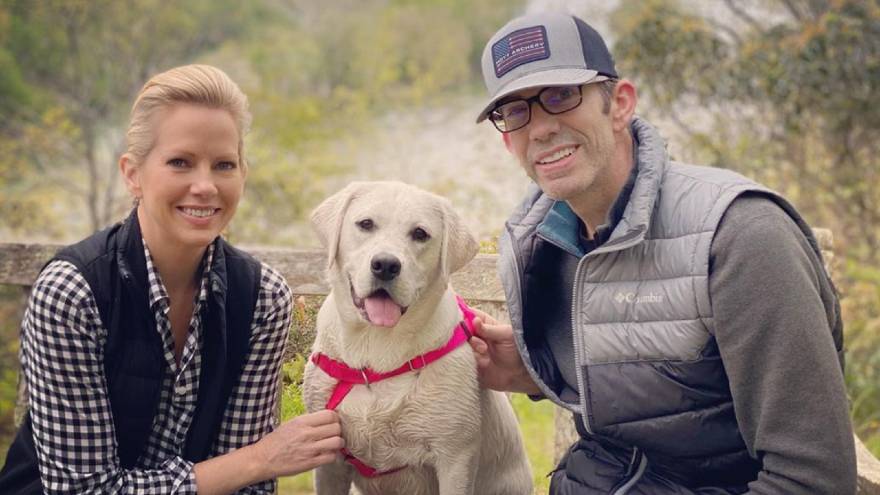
x=551, y=77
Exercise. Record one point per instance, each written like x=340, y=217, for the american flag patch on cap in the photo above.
x=520, y=47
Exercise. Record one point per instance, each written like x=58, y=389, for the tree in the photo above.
x=315, y=74
x=80, y=64
x=786, y=95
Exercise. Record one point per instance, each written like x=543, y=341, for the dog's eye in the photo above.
x=419, y=235
x=366, y=224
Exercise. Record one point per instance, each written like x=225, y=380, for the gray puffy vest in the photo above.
x=648, y=369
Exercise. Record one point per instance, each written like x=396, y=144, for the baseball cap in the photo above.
x=546, y=49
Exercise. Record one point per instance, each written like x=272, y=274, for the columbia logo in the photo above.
x=632, y=297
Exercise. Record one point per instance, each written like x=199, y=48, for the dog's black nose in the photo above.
x=385, y=266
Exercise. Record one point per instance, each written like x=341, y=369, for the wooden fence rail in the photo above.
x=304, y=270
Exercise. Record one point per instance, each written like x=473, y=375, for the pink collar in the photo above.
x=349, y=377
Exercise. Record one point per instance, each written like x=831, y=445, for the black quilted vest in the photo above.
x=112, y=262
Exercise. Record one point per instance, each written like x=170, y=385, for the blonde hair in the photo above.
x=195, y=84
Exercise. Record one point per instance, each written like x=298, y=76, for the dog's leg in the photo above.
x=333, y=479
x=456, y=474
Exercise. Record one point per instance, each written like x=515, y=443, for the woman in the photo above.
x=151, y=350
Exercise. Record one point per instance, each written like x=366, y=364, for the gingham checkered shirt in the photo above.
x=62, y=355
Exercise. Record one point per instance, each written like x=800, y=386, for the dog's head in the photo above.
x=389, y=243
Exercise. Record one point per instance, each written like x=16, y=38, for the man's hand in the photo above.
x=499, y=364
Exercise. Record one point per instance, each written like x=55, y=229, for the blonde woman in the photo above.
x=151, y=349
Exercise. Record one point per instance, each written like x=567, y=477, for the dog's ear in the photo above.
x=327, y=219
x=459, y=245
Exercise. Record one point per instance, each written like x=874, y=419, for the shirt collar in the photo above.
x=562, y=226
x=158, y=293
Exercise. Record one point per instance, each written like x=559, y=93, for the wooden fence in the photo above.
x=304, y=270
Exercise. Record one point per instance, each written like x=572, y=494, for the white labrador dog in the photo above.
x=429, y=428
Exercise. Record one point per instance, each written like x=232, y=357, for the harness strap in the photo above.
x=362, y=468
x=339, y=392
x=348, y=377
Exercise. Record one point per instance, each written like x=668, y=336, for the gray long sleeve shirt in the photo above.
x=767, y=290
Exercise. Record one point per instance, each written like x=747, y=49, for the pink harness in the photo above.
x=349, y=377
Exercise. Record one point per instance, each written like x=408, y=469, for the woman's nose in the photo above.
x=203, y=183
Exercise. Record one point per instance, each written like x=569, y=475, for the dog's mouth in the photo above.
x=378, y=308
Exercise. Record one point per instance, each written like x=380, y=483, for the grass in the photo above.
x=296, y=485
x=536, y=425
x=291, y=406
x=861, y=312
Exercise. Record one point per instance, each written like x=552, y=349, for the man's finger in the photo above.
x=483, y=361
x=479, y=345
x=494, y=333
x=484, y=316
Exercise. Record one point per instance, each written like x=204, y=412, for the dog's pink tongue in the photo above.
x=382, y=311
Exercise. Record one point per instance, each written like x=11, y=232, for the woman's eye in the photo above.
x=227, y=166
x=177, y=162
x=366, y=224
x=419, y=235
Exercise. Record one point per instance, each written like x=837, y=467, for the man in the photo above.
x=682, y=313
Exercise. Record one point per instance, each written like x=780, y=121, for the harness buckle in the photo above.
x=366, y=380
x=419, y=369
x=467, y=331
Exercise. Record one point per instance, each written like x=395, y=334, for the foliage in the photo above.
x=861, y=307
x=321, y=74
x=291, y=388
x=489, y=246
x=537, y=428
x=789, y=102
x=65, y=61
x=785, y=93
x=11, y=302
x=292, y=406
x=317, y=75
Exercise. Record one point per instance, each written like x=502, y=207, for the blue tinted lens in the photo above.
x=511, y=116
x=558, y=100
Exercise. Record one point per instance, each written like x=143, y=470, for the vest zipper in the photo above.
x=579, y=343
x=579, y=347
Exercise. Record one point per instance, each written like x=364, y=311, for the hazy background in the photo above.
x=783, y=91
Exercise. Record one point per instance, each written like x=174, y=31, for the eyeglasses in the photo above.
x=516, y=114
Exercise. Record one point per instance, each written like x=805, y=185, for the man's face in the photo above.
x=568, y=154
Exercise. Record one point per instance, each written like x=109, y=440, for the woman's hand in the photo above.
x=296, y=446
x=301, y=444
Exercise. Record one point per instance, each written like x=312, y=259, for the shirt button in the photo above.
x=180, y=389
